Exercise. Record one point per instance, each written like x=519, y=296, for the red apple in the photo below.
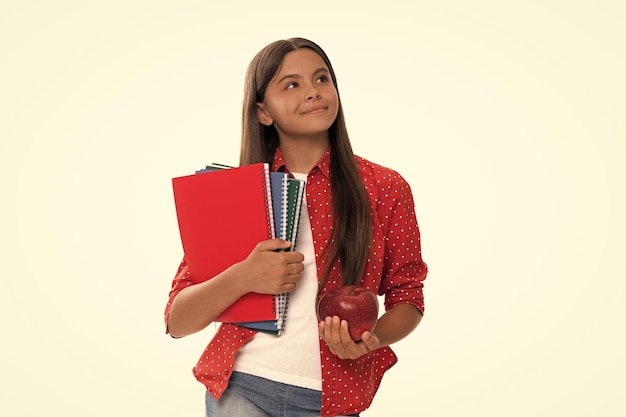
x=355, y=304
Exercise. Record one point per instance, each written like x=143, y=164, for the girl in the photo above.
x=358, y=227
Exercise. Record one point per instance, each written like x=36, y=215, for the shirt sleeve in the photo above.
x=181, y=280
x=403, y=268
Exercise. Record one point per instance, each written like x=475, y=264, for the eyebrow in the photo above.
x=296, y=76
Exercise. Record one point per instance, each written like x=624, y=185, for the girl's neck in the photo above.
x=302, y=155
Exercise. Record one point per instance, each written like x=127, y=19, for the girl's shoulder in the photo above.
x=379, y=175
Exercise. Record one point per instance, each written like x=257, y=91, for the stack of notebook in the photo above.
x=223, y=212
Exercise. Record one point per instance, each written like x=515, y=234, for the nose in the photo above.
x=313, y=93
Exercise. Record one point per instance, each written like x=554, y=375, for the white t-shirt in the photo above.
x=294, y=356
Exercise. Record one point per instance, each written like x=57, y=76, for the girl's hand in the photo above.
x=335, y=333
x=268, y=271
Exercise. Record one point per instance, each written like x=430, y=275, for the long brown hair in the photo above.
x=351, y=233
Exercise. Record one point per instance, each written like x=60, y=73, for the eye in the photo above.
x=291, y=85
x=322, y=79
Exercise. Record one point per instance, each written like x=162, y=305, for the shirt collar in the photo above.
x=279, y=164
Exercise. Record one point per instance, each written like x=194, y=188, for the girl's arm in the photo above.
x=264, y=271
x=397, y=323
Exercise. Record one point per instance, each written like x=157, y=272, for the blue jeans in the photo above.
x=252, y=396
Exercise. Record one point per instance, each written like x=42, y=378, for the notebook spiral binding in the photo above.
x=283, y=223
x=283, y=300
x=268, y=200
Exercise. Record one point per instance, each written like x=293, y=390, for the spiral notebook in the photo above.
x=222, y=215
x=286, y=196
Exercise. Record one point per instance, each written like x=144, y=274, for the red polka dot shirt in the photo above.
x=395, y=270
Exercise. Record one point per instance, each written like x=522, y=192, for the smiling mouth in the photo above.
x=315, y=110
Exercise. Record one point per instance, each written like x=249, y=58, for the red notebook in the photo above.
x=222, y=215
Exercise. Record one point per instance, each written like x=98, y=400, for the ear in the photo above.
x=264, y=116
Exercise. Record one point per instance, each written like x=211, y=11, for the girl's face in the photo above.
x=301, y=100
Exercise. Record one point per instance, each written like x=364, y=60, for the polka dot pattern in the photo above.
x=395, y=270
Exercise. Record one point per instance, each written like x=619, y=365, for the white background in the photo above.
x=507, y=119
